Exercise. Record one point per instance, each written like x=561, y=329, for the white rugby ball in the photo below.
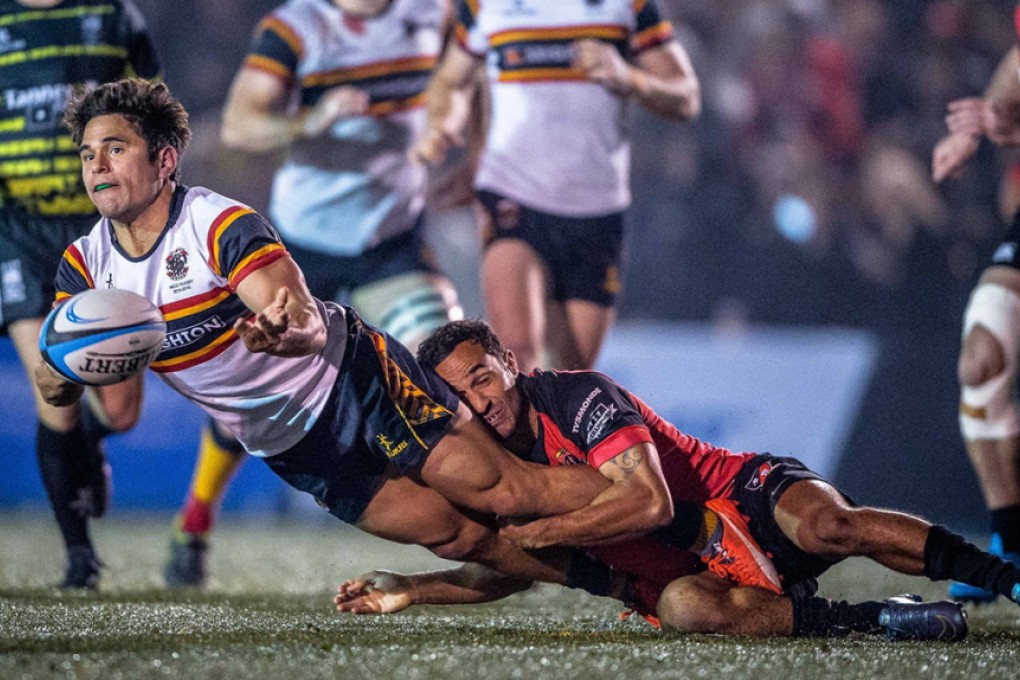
x=102, y=336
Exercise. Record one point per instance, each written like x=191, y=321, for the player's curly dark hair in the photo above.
x=157, y=115
x=442, y=341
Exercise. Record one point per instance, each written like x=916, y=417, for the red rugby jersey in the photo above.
x=586, y=417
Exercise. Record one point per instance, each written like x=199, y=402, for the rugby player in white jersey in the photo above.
x=338, y=86
x=553, y=179
x=335, y=407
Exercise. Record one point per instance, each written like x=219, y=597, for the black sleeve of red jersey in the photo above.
x=599, y=416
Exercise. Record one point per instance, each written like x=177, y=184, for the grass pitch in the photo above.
x=268, y=614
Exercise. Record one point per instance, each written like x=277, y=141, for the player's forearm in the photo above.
x=259, y=132
x=674, y=98
x=1005, y=82
x=622, y=511
x=468, y=584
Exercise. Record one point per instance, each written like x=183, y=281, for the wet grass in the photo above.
x=268, y=614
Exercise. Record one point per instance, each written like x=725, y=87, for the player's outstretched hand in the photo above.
x=55, y=390
x=264, y=332
x=968, y=116
x=432, y=147
x=340, y=102
x=602, y=63
x=377, y=592
x=951, y=154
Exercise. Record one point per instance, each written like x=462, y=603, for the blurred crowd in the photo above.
x=803, y=193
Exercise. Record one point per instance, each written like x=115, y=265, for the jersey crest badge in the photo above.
x=177, y=264
x=758, y=480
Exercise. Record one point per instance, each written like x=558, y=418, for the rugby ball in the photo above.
x=102, y=336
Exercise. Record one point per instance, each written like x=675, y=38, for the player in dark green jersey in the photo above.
x=47, y=48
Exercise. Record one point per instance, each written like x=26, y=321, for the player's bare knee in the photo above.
x=988, y=364
x=685, y=606
x=981, y=358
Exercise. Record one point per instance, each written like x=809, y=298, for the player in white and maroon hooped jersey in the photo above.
x=554, y=176
x=332, y=405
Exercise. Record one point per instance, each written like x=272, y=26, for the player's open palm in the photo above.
x=377, y=592
x=265, y=331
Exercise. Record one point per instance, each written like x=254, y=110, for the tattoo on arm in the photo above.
x=628, y=462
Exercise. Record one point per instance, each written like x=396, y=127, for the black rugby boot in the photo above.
x=907, y=618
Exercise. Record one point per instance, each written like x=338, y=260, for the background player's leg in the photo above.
x=70, y=455
x=515, y=287
x=576, y=331
x=408, y=306
x=468, y=467
x=988, y=410
x=219, y=457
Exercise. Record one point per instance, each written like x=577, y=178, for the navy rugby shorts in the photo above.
x=758, y=486
x=584, y=255
x=383, y=418
x=30, y=250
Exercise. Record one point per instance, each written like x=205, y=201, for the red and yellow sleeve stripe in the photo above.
x=265, y=64
x=254, y=261
x=220, y=225
x=74, y=258
x=652, y=36
x=285, y=33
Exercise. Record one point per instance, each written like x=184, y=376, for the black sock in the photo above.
x=683, y=530
x=819, y=617
x=589, y=574
x=1006, y=523
x=950, y=556
x=225, y=442
x=56, y=453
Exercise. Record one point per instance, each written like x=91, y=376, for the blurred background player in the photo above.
x=989, y=417
x=50, y=47
x=553, y=184
x=340, y=86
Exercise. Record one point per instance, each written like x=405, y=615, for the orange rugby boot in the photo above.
x=733, y=554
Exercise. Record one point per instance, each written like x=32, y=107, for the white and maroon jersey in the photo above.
x=557, y=141
x=346, y=191
x=208, y=246
x=586, y=417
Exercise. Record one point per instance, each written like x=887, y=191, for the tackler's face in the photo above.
x=486, y=383
x=120, y=177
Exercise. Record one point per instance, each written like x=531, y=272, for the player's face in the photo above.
x=120, y=177
x=486, y=383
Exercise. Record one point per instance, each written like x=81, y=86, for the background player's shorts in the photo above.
x=583, y=254
x=758, y=486
x=30, y=250
x=382, y=419
x=330, y=275
x=1006, y=254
